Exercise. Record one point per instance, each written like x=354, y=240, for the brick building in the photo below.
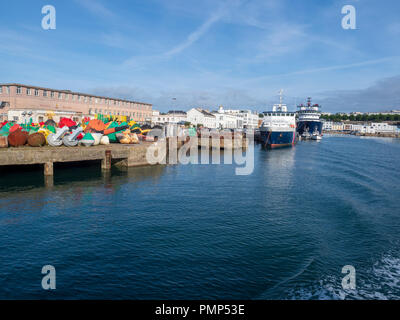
x=18, y=101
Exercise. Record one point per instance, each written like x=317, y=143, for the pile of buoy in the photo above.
x=91, y=132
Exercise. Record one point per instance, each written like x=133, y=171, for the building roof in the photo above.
x=177, y=112
x=71, y=92
x=204, y=112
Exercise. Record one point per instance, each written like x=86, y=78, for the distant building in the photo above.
x=244, y=118
x=198, y=116
x=21, y=102
x=379, y=127
x=222, y=119
x=226, y=120
x=177, y=116
x=333, y=126
x=250, y=119
x=172, y=117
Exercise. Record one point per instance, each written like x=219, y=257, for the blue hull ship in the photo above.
x=278, y=139
x=309, y=125
x=278, y=128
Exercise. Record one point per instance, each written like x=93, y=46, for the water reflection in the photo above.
x=278, y=167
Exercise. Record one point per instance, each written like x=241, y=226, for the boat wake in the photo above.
x=381, y=282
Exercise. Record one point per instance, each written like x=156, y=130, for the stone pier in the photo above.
x=119, y=154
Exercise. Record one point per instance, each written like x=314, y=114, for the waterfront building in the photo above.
x=226, y=120
x=327, y=125
x=333, y=126
x=245, y=118
x=375, y=127
x=171, y=117
x=367, y=127
x=198, y=116
x=21, y=102
x=391, y=112
x=250, y=119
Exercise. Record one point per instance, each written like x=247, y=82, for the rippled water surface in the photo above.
x=200, y=231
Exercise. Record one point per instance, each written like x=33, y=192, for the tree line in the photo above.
x=361, y=117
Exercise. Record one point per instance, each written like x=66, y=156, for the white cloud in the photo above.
x=192, y=38
x=197, y=34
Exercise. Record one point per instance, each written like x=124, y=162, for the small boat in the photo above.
x=305, y=135
x=316, y=135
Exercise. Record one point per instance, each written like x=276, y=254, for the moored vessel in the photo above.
x=309, y=125
x=278, y=128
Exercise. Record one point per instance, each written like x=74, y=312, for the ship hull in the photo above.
x=312, y=126
x=278, y=139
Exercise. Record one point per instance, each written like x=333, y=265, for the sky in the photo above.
x=179, y=54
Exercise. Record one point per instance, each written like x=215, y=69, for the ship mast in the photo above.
x=280, y=97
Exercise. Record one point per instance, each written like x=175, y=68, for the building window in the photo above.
x=59, y=95
x=19, y=90
x=96, y=100
x=45, y=93
x=52, y=94
x=8, y=90
x=28, y=91
x=15, y=118
x=66, y=96
x=36, y=92
x=1, y=89
x=85, y=99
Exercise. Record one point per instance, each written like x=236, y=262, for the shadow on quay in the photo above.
x=20, y=178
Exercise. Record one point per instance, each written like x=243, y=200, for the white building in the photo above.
x=245, y=118
x=375, y=127
x=225, y=120
x=250, y=119
x=172, y=117
x=198, y=116
x=333, y=126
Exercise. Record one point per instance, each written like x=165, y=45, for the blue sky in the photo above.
x=237, y=53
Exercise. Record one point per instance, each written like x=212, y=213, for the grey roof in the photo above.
x=71, y=92
x=204, y=112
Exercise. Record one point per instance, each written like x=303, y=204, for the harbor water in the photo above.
x=202, y=232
